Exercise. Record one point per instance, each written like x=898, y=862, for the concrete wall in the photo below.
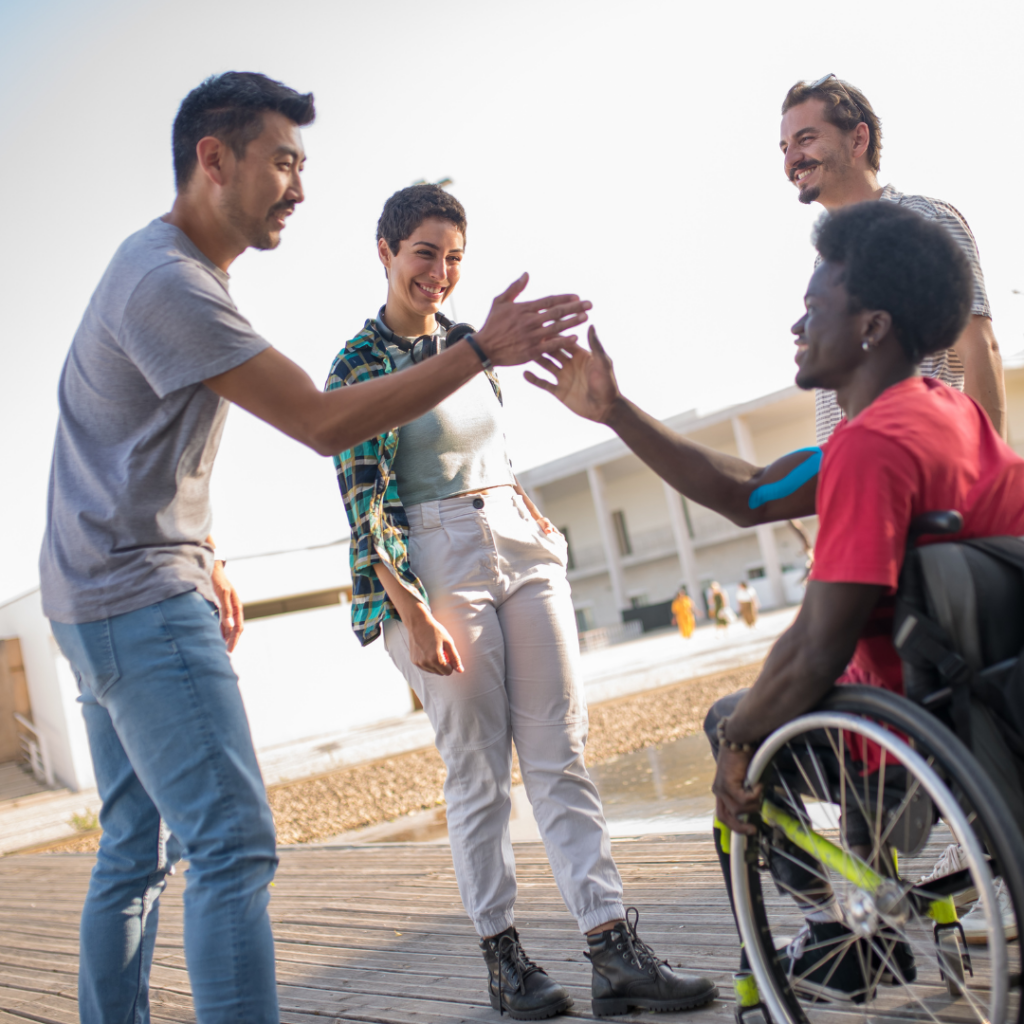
x=301, y=675
x=304, y=675
x=52, y=691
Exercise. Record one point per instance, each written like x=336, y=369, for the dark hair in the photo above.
x=895, y=260
x=409, y=207
x=229, y=107
x=845, y=107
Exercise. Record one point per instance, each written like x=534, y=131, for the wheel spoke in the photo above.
x=876, y=849
x=912, y=791
x=842, y=944
x=779, y=851
x=795, y=802
x=841, y=755
x=917, y=999
x=837, y=748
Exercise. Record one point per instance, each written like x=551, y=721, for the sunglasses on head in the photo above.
x=831, y=75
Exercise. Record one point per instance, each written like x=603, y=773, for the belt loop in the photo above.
x=431, y=511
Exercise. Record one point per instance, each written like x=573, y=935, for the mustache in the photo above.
x=281, y=208
x=803, y=166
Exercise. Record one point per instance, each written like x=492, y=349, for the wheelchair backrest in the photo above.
x=959, y=629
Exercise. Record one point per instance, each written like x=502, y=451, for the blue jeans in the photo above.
x=172, y=751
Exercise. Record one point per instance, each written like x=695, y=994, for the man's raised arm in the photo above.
x=746, y=494
x=280, y=392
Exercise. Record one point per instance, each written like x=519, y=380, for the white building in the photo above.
x=633, y=539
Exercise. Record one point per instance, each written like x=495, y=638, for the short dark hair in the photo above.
x=896, y=260
x=230, y=107
x=409, y=207
x=845, y=107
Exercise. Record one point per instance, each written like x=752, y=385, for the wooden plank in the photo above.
x=379, y=934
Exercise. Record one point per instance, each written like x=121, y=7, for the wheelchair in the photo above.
x=861, y=796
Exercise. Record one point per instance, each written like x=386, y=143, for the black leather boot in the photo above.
x=517, y=985
x=627, y=974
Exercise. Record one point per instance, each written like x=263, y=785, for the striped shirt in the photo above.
x=944, y=365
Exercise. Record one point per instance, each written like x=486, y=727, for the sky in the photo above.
x=627, y=152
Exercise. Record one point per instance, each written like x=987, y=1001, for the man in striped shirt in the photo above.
x=831, y=141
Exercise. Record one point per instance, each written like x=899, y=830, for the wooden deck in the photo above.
x=378, y=933
x=375, y=933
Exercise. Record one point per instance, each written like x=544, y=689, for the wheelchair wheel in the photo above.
x=860, y=798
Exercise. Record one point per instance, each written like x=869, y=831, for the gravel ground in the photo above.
x=320, y=807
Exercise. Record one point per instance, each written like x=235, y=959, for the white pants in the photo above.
x=497, y=583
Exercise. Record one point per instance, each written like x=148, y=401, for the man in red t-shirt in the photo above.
x=891, y=289
x=920, y=446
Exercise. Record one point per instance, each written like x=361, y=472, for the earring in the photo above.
x=865, y=345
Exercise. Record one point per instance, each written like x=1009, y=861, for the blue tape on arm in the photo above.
x=792, y=481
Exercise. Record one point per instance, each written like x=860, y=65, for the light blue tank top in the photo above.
x=458, y=446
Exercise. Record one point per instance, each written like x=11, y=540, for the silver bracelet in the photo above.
x=475, y=345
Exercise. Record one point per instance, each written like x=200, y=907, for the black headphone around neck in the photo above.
x=426, y=345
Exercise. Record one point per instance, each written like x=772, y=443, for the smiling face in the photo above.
x=424, y=271
x=262, y=189
x=817, y=156
x=829, y=337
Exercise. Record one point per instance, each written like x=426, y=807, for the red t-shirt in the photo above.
x=919, y=447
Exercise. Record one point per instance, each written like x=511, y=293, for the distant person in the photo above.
x=467, y=581
x=720, y=610
x=746, y=598
x=129, y=579
x=891, y=289
x=682, y=614
x=831, y=141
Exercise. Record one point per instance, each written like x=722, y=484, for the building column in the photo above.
x=608, y=541
x=684, y=546
x=766, y=531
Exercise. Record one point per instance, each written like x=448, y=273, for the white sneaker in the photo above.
x=973, y=922
x=951, y=860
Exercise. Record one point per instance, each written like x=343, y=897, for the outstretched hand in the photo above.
x=518, y=332
x=584, y=381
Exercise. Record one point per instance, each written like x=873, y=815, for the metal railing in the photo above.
x=33, y=745
x=608, y=636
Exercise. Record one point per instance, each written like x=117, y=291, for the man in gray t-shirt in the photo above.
x=127, y=559
x=138, y=431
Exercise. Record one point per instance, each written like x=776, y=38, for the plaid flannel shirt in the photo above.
x=376, y=516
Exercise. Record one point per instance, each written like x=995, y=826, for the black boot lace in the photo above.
x=510, y=952
x=642, y=954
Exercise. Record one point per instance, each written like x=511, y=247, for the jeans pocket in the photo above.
x=89, y=647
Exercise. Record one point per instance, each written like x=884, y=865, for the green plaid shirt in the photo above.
x=376, y=517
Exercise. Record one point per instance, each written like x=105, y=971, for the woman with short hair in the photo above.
x=467, y=581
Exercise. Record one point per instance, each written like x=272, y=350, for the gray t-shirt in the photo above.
x=128, y=510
